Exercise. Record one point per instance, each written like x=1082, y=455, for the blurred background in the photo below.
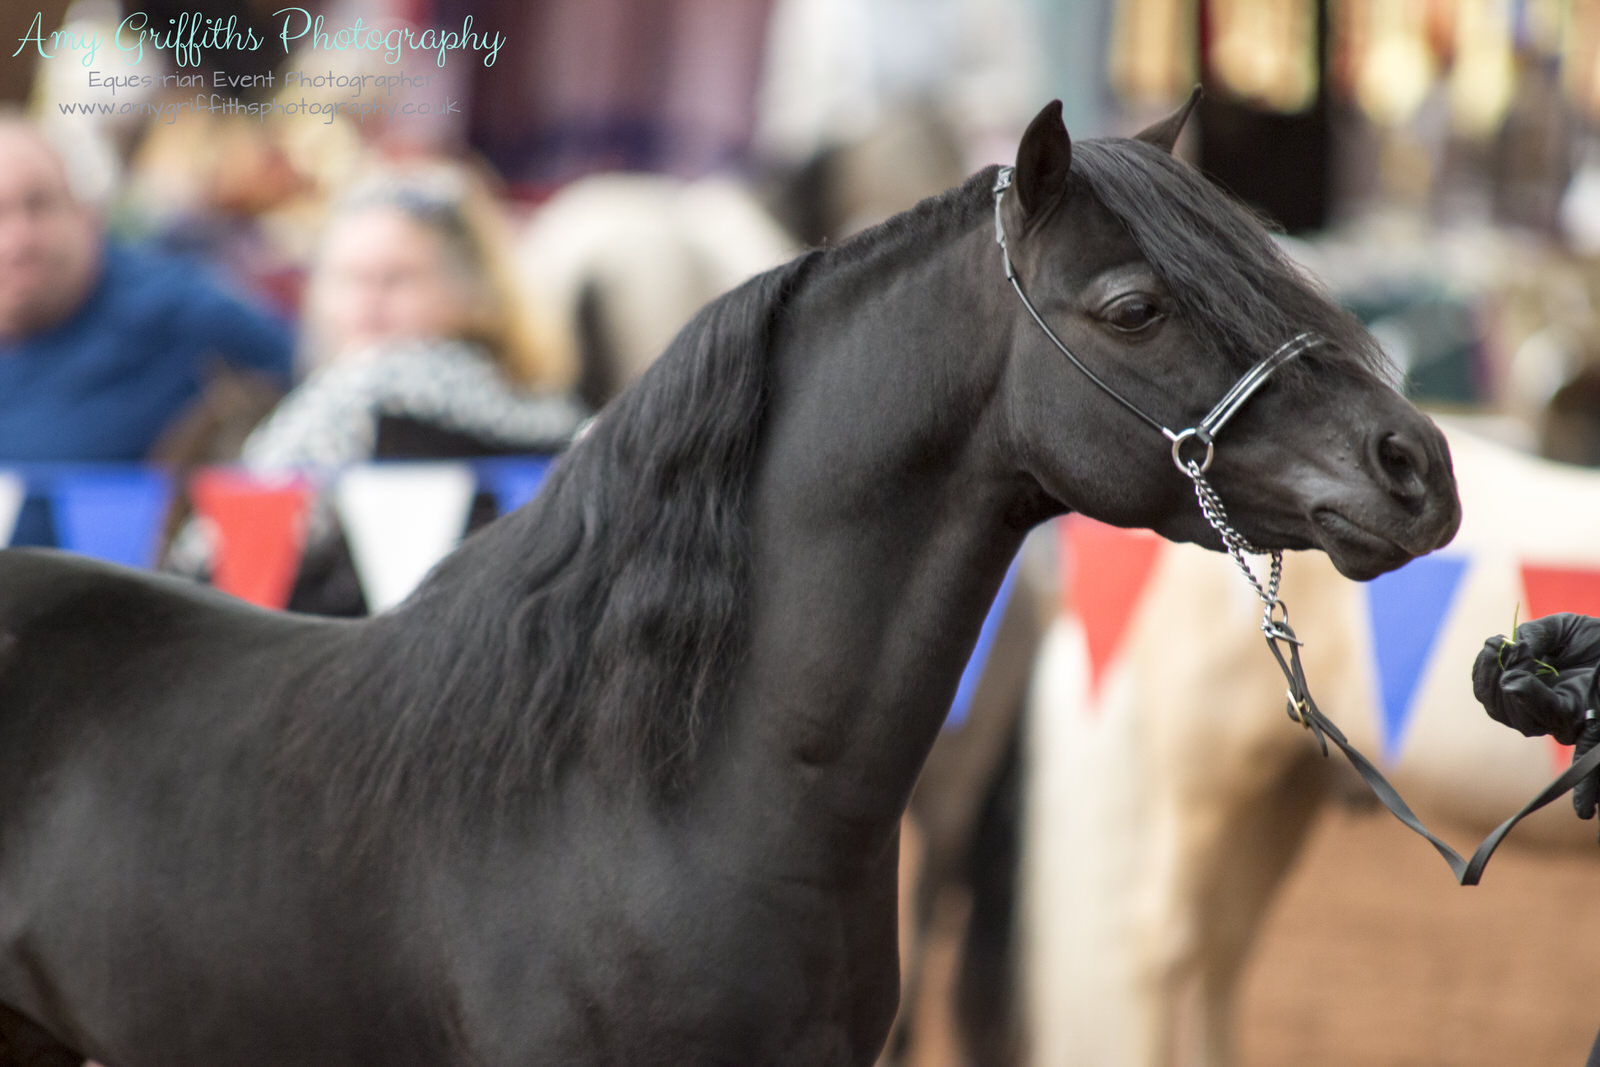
x=454, y=262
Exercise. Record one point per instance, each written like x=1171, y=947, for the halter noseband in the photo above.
x=1205, y=431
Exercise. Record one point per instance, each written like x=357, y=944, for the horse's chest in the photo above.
x=684, y=967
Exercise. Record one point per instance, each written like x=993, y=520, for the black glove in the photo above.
x=1545, y=683
x=1539, y=683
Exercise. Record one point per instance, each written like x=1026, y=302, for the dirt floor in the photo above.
x=1373, y=957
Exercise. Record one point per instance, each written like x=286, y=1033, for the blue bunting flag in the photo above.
x=1406, y=609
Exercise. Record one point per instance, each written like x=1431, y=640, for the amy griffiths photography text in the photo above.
x=188, y=36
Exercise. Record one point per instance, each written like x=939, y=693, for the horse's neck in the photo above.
x=880, y=520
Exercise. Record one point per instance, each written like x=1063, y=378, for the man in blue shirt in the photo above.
x=101, y=345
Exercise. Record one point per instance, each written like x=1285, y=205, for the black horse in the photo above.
x=621, y=783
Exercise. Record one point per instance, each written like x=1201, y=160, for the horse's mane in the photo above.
x=1237, y=290
x=599, y=622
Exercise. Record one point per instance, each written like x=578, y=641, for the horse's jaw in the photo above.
x=1360, y=553
x=1362, y=531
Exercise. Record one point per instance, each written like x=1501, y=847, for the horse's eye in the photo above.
x=1130, y=314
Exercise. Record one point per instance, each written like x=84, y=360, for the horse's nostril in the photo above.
x=1403, y=463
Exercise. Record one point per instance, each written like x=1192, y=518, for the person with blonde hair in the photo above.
x=412, y=329
x=415, y=344
x=419, y=252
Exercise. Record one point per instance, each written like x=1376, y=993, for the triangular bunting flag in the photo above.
x=1106, y=571
x=1553, y=589
x=1405, y=609
x=113, y=513
x=973, y=671
x=512, y=481
x=12, y=491
x=260, y=525
x=400, y=520
x=35, y=522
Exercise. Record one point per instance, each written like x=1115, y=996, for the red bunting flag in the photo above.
x=1553, y=589
x=260, y=532
x=1106, y=572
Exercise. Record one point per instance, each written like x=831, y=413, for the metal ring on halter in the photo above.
x=1192, y=433
x=1276, y=627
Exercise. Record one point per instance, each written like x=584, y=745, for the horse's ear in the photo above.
x=1164, y=134
x=1043, y=159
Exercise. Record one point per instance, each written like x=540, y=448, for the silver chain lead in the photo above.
x=1240, y=549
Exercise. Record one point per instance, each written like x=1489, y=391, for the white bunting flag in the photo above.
x=400, y=520
x=12, y=491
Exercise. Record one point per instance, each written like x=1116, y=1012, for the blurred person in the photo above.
x=228, y=189
x=416, y=345
x=413, y=336
x=102, y=344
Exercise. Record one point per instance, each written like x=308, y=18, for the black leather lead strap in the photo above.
x=1303, y=709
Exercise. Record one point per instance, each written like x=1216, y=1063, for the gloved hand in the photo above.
x=1544, y=682
x=1539, y=683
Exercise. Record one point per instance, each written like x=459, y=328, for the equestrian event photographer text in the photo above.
x=190, y=35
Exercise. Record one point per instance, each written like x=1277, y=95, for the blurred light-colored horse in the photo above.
x=626, y=259
x=1161, y=815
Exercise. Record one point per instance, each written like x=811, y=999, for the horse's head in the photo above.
x=1169, y=292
